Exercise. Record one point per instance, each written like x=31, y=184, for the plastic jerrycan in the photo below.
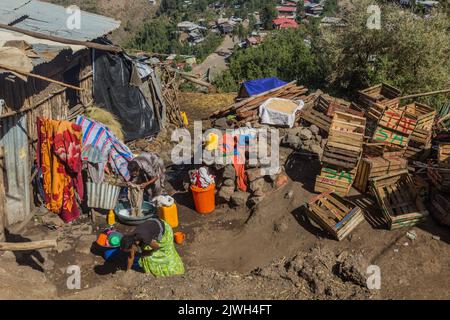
x=169, y=214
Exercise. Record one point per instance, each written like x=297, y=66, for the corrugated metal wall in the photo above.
x=14, y=140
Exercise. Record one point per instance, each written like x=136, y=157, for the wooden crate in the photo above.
x=372, y=167
x=398, y=199
x=334, y=215
x=439, y=177
x=376, y=99
x=417, y=151
x=398, y=120
x=347, y=132
x=333, y=178
x=425, y=114
x=346, y=159
x=315, y=117
x=440, y=205
x=444, y=154
x=390, y=137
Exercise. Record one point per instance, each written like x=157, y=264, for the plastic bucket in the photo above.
x=204, y=198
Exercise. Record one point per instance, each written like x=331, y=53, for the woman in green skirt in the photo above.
x=153, y=240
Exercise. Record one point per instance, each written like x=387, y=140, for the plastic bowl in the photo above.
x=148, y=209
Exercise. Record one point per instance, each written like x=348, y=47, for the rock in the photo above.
x=258, y=193
x=63, y=246
x=353, y=268
x=229, y=172
x=273, y=177
x=305, y=134
x=253, y=201
x=307, y=142
x=225, y=193
x=228, y=183
x=280, y=227
x=291, y=141
x=318, y=138
x=257, y=184
x=323, y=143
x=85, y=243
x=253, y=174
x=316, y=149
x=239, y=198
x=83, y=229
x=314, y=129
x=436, y=238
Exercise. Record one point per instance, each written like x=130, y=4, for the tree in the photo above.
x=409, y=51
x=283, y=54
x=268, y=14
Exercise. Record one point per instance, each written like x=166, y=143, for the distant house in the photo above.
x=284, y=23
x=332, y=21
x=287, y=12
x=187, y=26
x=313, y=8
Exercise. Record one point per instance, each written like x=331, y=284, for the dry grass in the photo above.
x=200, y=105
x=107, y=118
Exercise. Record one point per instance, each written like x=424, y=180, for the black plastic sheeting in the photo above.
x=113, y=92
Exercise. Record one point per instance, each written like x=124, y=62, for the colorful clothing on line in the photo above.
x=231, y=146
x=97, y=135
x=59, y=158
x=164, y=261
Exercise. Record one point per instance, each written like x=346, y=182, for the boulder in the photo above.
x=257, y=184
x=253, y=201
x=316, y=149
x=225, y=193
x=253, y=174
x=85, y=243
x=291, y=141
x=229, y=172
x=281, y=181
x=305, y=134
x=307, y=142
x=318, y=138
x=239, y=198
x=228, y=183
x=314, y=129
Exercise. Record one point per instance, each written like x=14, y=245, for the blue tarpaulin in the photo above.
x=254, y=87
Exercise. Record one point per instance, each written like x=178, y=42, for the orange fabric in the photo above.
x=238, y=153
x=60, y=160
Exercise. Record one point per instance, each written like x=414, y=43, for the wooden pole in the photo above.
x=2, y=199
x=33, y=245
x=26, y=73
x=87, y=44
x=425, y=94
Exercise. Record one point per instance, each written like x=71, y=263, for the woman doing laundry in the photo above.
x=153, y=242
x=147, y=175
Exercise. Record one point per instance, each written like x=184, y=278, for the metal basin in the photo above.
x=148, y=209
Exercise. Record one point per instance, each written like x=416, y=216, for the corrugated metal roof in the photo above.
x=50, y=19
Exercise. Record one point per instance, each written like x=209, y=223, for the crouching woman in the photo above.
x=153, y=242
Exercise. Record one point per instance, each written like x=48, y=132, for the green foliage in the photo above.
x=409, y=52
x=268, y=14
x=283, y=54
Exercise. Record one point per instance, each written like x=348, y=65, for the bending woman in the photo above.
x=153, y=240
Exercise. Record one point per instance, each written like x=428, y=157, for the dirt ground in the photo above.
x=271, y=252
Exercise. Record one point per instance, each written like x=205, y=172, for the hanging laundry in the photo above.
x=201, y=177
x=59, y=158
x=96, y=136
x=232, y=146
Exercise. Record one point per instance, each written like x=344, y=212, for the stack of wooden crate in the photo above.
x=444, y=154
x=341, y=153
x=419, y=145
x=375, y=100
x=378, y=161
x=395, y=128
x=334, y=215
x=399, y=200
x=321, y=111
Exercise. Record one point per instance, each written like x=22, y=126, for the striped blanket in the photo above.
x=113, y=151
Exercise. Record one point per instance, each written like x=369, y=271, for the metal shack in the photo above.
x=24, y=98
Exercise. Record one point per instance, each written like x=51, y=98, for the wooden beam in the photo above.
x=425, y=94
x=33, y=245
x=26, y=73
x=87, y=44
